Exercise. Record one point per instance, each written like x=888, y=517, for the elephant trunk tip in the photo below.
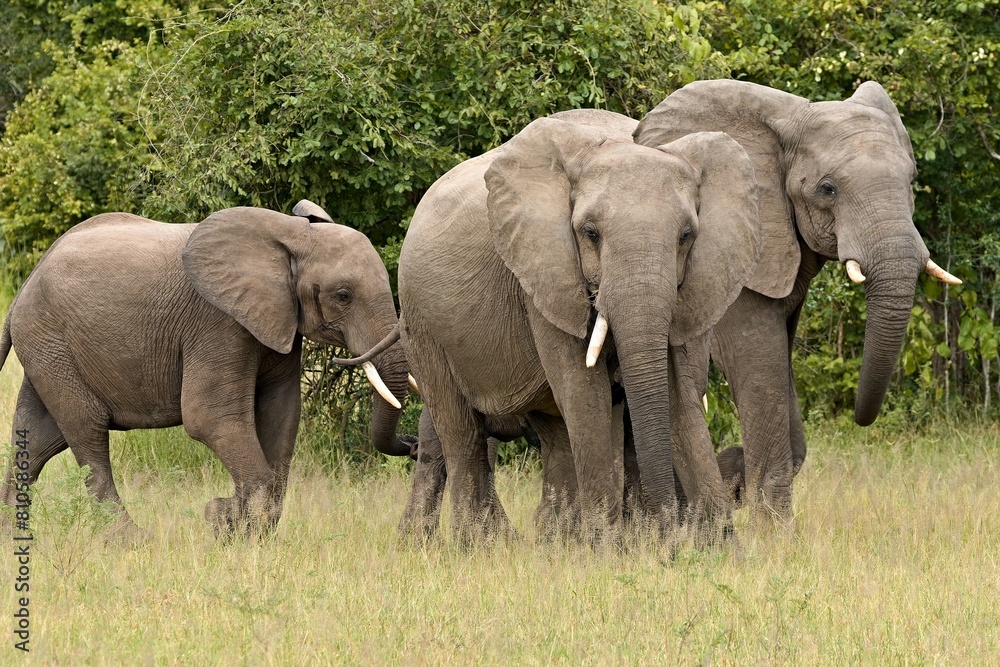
x=864, y=415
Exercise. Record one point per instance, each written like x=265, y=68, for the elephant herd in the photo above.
x=571, y=285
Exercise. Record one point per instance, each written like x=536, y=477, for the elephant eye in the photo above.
x=344, y=296
x=686, y=234
x=828, y=188
x=591, y=233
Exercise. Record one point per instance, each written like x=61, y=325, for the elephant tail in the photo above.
x=5, y=341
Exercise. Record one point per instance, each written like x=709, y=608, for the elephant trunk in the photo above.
x=889, y=291
x=641, y=340
x=392, y=368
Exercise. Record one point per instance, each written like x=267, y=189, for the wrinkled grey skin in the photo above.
x=834, y=186
x=130, y=323
x=507, y=260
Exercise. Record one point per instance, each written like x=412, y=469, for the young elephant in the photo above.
x=512, y=257
x=130, y=323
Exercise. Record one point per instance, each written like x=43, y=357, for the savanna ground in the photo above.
x=893, y=557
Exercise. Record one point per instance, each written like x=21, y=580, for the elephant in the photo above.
x=515, y=258
x=129, y=323
x=835, y=185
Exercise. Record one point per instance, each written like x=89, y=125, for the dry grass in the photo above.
x=892, y=559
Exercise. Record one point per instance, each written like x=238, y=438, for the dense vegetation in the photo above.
x=175, y=108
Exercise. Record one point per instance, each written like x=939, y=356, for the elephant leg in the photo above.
x=44, y=440
x=750, y=344
x=583, y=396
x=476, y=509
x=276, y=418
x=82, y=419
x=709, y=507
x=423, y=508
x=796, y=432
x=559, y=509
x=226, y=426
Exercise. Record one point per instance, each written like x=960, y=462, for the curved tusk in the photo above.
x=854, y=271
x=380, y=387
x=704, y=402
x=412, y=382
x=597, y=340
x=936, y=271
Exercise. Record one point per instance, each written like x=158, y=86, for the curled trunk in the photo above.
x=392, y=368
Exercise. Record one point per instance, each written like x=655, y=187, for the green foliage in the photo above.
x=63, y=157
x=360, y=107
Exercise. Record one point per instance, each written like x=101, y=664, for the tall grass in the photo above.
x=893, y=557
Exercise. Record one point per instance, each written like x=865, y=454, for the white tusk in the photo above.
x=412, y=381
x=597, y=340
x=380, y=387
x=936, y=271
x=854, y=271
x=704, y=402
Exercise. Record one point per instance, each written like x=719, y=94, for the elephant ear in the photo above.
x=529, y=212
x=748, y=113
x=240, y=261
x=727, y=248
x=314, y=212
x=872, y=94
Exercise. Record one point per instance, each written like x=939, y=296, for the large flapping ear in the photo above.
x=529, y=212
x=728, y=246
x=240, y=261
x=872, y=94
x=746, y=112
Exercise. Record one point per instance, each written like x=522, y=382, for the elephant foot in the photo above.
x=125, y=533
x=730, y=462
x=557, y=518
x=256, y=516
x=488, y=527
x=418, y=528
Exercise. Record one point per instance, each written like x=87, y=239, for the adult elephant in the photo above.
x=130, y=323
x=834, y=182
x=510, y=258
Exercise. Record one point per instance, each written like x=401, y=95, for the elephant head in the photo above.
x=835, y=174
x=279, y=276
x=654, y=242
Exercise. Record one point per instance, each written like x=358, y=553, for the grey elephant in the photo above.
x=835, y=185
x=514, y=259
x=130, y=323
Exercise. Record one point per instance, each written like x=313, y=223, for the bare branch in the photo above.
x=986, y=143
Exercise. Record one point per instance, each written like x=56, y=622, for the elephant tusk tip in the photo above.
x=854, y=271
x=597, y=340
x=935, y=271
x=412, y=383
x=376, y=381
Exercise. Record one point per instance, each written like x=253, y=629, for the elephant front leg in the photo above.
x=583, y=396
x=253, y=509
x=709, y=504
x=558, y=510
x=750, y=345
x=423, y=508
x=276, y=419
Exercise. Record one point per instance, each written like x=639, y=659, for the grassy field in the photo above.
x=893, y=558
